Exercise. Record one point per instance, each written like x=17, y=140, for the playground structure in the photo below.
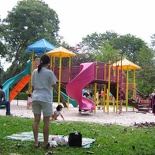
x=15, y=84
x=110, y=75
x=113, y=76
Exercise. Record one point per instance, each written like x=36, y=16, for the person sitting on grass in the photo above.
x=4, y=102
x=57, y=112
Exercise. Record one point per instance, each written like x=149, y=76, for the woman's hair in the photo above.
x=59, y=107
x=44, y=60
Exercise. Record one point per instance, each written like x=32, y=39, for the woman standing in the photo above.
x=43, y=80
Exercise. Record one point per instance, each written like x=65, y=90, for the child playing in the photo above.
x=29, y=101
x=57, y=112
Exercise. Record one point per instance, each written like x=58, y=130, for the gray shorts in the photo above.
x=39, y=106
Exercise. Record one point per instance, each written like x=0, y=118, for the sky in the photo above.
x=78, y=18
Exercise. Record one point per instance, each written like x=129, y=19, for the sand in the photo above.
x=126, y=118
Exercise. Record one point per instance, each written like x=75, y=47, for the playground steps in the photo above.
x=133, y=103
x=20, y=85
x=144, y=105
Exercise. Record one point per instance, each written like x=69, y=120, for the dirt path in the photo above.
x=18, y=108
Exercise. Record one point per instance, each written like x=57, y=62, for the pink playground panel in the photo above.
x=101, y=72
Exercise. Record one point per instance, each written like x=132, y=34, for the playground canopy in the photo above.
x=126, y=65
x=40, y=47
x=61, y=52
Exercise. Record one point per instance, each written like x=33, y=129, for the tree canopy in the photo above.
x=29, y=21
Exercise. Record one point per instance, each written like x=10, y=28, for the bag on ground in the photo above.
x=75, y=139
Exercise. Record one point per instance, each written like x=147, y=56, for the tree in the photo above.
x=29, y=21
x=146, y=75
x=128, y=45
x=106, y=53
x=153, y=41
x=93, y=42
x=2, y=47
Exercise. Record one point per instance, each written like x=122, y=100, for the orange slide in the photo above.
x=20, y=85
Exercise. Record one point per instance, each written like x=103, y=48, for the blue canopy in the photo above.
x=40, y=47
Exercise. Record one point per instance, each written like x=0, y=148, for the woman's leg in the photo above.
x=46, y=126
x=36, y=128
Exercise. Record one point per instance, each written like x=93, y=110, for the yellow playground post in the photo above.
x=60, y=52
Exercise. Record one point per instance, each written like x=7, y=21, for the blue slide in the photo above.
x=10, y=82
x=73, y=102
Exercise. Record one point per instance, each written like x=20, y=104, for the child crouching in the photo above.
x=57, y=112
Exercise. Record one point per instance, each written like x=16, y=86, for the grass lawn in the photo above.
x=110, y=139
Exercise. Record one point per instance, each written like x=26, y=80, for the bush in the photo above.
x=24, y=96
x=21, y=96
x=55, y=98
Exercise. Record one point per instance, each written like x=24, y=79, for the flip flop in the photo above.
x=36, y=146
x=48, y=146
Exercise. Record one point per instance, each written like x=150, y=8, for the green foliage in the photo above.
x=110, y=139
x=146, y=75
x=22, y=96
x=55, y=98
x=35, y=21
x=106, y=53
x=128, y=45
x=153, y=42
x=94, y=41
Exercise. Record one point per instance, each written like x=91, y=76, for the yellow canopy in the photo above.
x=126, y=65
x=61, y=52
